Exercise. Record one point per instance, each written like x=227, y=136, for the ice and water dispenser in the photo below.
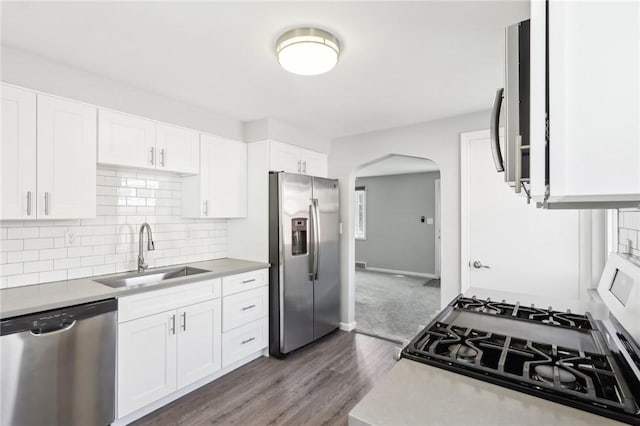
x=298, y=236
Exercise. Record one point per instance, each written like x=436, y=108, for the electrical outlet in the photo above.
x=630, y=246
x=429, y=221
x=69, y=239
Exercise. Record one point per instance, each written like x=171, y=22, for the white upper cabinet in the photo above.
x=18, y=154
x=126, y=140
x=66, y=158
x=593, y=101
x=293, y=159
x=284, y=157
x=130, y=141
x=314, y=163
x=220, y=190
x=47, y=157
x=177, y=149
x=227, y=174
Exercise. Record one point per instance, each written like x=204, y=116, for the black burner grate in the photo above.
x=527, y=313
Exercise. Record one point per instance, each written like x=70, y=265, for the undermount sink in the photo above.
x=149, y=277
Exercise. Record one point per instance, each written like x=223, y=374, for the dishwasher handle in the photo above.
x=65, y=326
x=56, y=320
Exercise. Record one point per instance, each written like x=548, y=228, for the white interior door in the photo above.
x=519, y=248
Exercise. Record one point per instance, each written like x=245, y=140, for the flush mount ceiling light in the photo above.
x=308, y=51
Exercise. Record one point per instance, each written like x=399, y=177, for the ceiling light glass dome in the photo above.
x=308, y=51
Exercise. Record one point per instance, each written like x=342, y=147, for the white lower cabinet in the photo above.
x=164, y=352
x=243, y=341
x=146, y=361
x=245, y=313
x=171, y=338
x=199, y=340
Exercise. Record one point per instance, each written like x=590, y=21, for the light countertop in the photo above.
x=40, y=297
x=414, y=394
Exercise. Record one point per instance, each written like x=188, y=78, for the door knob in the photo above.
x=477, y=264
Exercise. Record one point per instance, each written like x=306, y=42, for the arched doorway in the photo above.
x=397, y=245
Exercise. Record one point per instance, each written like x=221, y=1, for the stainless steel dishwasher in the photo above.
x=58, y=366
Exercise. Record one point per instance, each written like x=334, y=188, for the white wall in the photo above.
x=396, y=239
x=274, y=129
x=436, y=140
x=34, y=252
x=35, y=72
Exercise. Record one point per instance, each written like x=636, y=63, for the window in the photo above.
x=361, y=213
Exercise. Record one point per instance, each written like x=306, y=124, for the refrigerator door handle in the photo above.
x=316, y=237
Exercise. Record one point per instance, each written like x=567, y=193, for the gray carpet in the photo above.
x=393, y=307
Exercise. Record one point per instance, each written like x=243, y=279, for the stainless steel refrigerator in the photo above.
x=304, y=282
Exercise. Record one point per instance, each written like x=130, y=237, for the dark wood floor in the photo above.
x=317, y=385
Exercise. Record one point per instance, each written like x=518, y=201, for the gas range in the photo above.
x=564, y=357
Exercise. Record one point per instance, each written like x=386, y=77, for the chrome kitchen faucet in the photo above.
x=150, y=246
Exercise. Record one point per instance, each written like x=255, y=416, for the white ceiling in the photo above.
x=402, y=62
x=397, y=165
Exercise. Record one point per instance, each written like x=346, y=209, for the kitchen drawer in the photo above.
x=244, y=341
x=154, y=301
x=243, y=308
x=242, y=282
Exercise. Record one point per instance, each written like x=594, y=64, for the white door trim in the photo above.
x=437, y=234
x=465, y=140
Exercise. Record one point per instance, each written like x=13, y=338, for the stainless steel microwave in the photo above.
x=514, y=161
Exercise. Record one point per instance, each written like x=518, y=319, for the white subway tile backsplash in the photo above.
x=11, y=245
x=629, y=231
x=43, y=265
x=23, y=279
x=68, y=263
x=38, y=243
x=52, y=276
x=52, y=231
x=20, y=233
x=22, y=256
x=11, y=269
x=75, y=273
x=104, y=269
x=57, y=253
x=40, y=251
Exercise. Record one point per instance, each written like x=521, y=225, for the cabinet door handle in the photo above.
x=304, y=167
x=28, y=203
x=172, y=327
x=246, y=308
x=248, y=281
x=162, y=157
x=46, y=204
x=299, y=166
x=205, y=207
x=152, y=150
x=251, y=339
x=184, y=321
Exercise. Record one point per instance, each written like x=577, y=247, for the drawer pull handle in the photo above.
x=248, y=307
x=248, y=281
x=251, y=339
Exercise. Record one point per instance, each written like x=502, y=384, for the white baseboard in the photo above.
x=348, y=326
x=397, y=272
